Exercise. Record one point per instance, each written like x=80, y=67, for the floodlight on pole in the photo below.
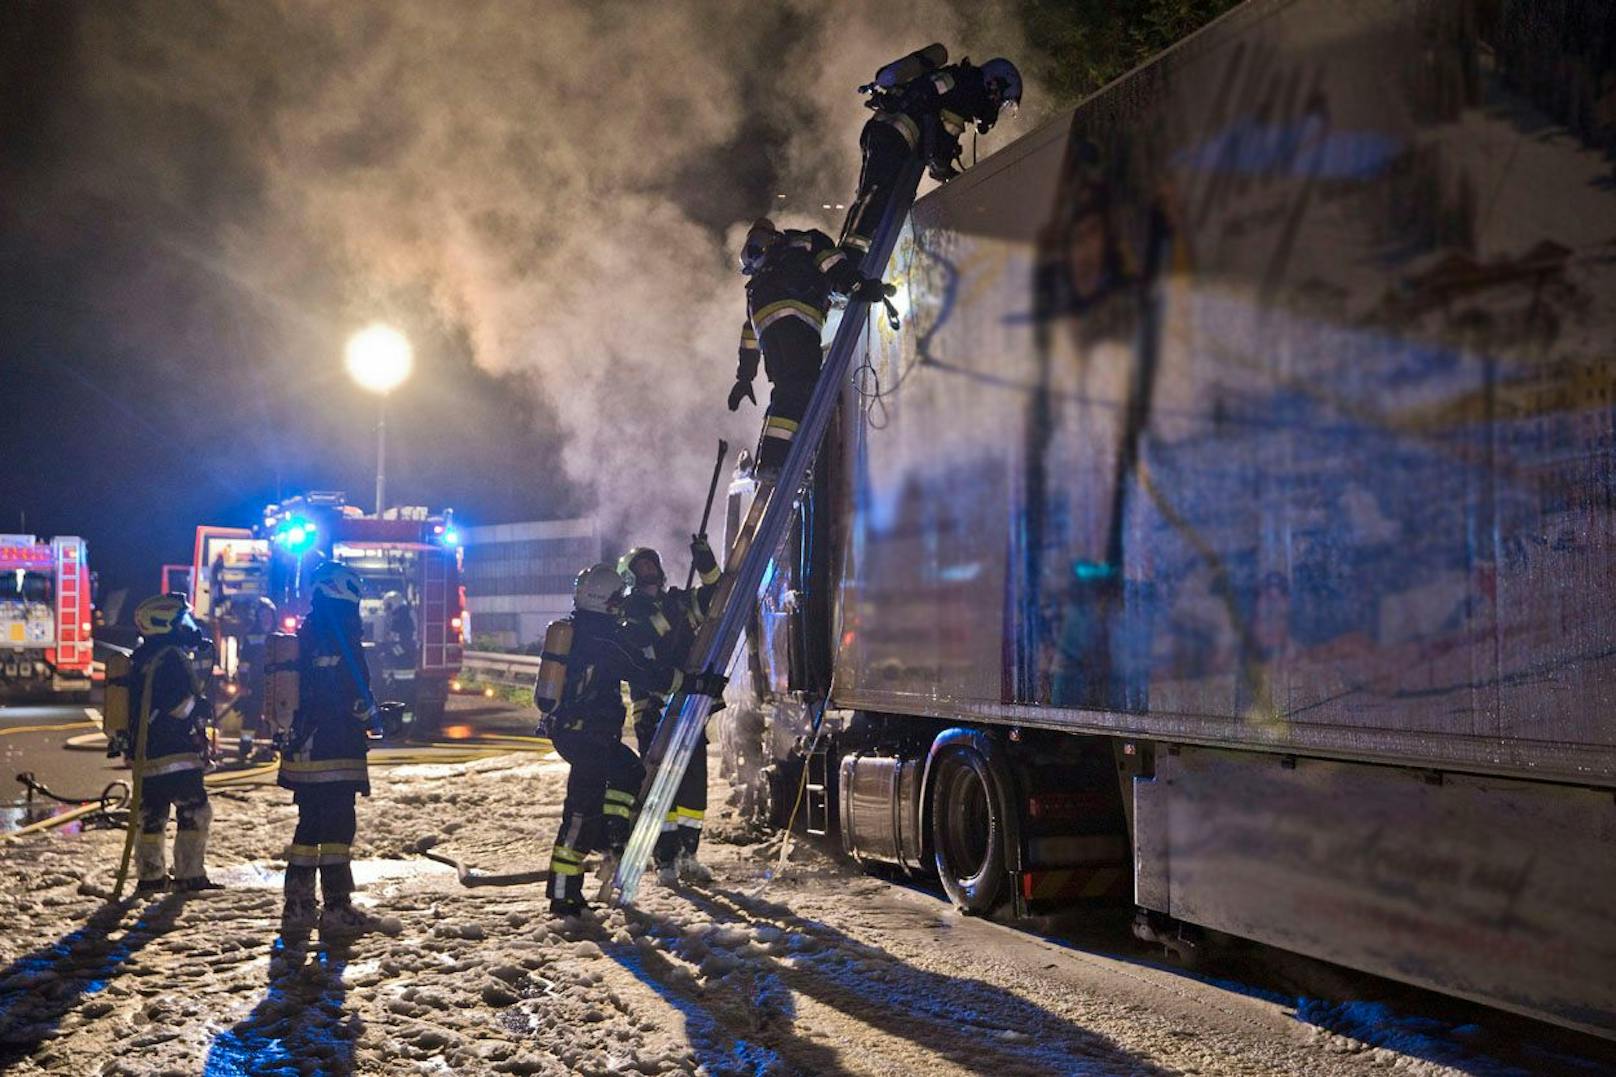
x=379, y=358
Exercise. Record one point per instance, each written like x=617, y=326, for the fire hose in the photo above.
x=107, y=801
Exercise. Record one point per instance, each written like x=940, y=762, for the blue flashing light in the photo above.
x=296, y=535
x=451, y=537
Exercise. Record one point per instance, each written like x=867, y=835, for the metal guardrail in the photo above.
x=492, y=667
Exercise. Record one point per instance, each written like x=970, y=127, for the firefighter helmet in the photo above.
x=162, y=614
x=1003, y=81
x=598, y=588
x=335, y=581
x=654, y=577
x=759, y=238
x=391, y=601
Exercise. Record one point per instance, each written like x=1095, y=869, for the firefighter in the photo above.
x=250, y=673
x=323, y=761
x=794, y=275
x=662, y=622
x=398, y=629
x=921, y=108
x=170, y=696
x=584, y=720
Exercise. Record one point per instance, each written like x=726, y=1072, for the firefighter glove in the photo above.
x=742, y=390
x=873, y=290
x=701, y=555
x=706, y=683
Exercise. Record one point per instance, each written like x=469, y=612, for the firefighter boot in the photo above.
x=190, y=847
x=150, y=868
x=340, y=916
x=667, y=854
x=692, y=870
x=566, y=886
x=300, y=909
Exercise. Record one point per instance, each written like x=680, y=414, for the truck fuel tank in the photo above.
x=880, y=809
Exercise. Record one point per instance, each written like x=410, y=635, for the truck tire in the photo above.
x=967, y=832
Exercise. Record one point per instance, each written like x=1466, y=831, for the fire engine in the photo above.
x=44, y=615
x=408, y=560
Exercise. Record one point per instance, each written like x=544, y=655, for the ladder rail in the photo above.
x=755, y=546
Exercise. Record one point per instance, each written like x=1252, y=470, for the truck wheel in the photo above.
x=967, y=832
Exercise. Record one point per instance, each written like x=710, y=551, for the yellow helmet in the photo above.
x=336, y=581
x=625, y=568
x=162, y=614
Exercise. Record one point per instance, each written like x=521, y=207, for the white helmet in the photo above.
x=162, y=614
x=336, y=581
x=598, y=588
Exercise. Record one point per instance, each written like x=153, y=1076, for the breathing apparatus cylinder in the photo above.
x=115, y=703
x=280, y=682
x=552, y=678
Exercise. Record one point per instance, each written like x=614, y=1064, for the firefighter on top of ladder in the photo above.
x=662, y=621
x=922, y=105
x=794, y=275
x=323, y=760
x=587, y=659
x=164, y=681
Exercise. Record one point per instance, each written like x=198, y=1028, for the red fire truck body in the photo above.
x=408, y=561
x=45, y=618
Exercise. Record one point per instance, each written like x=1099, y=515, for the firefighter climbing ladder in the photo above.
x=750, y=552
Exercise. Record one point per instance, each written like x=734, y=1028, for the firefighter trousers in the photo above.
x=193, y=816
x=602, y=787
x=791, y=359
x=326, y=825
x=681, y=828
x=885, y=153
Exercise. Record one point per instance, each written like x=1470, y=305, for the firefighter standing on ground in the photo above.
x=250, y=674
x=324, y=761
x=922, y=106
x=662, y=622
x=793, y=277
x=587, y=659
x=164, y=683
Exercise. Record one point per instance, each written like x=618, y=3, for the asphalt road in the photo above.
x=33, y=738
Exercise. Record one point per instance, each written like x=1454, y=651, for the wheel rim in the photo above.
x=970, y=825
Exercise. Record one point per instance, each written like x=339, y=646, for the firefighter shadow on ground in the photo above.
x=747, y=1029
x=38, y=989
x=752, y=997
x=300, y=1022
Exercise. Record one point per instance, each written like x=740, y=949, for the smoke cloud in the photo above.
x=553, y=190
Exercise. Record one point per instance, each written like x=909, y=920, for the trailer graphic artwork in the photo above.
x=1303, y=395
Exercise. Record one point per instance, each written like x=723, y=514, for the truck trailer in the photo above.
x=1230, y=528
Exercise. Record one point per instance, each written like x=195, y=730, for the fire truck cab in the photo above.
x=408, y=561
x=45, y=618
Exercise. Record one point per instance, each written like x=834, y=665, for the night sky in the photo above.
x=199, y=201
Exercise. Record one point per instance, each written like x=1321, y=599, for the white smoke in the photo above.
x=524, y=169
